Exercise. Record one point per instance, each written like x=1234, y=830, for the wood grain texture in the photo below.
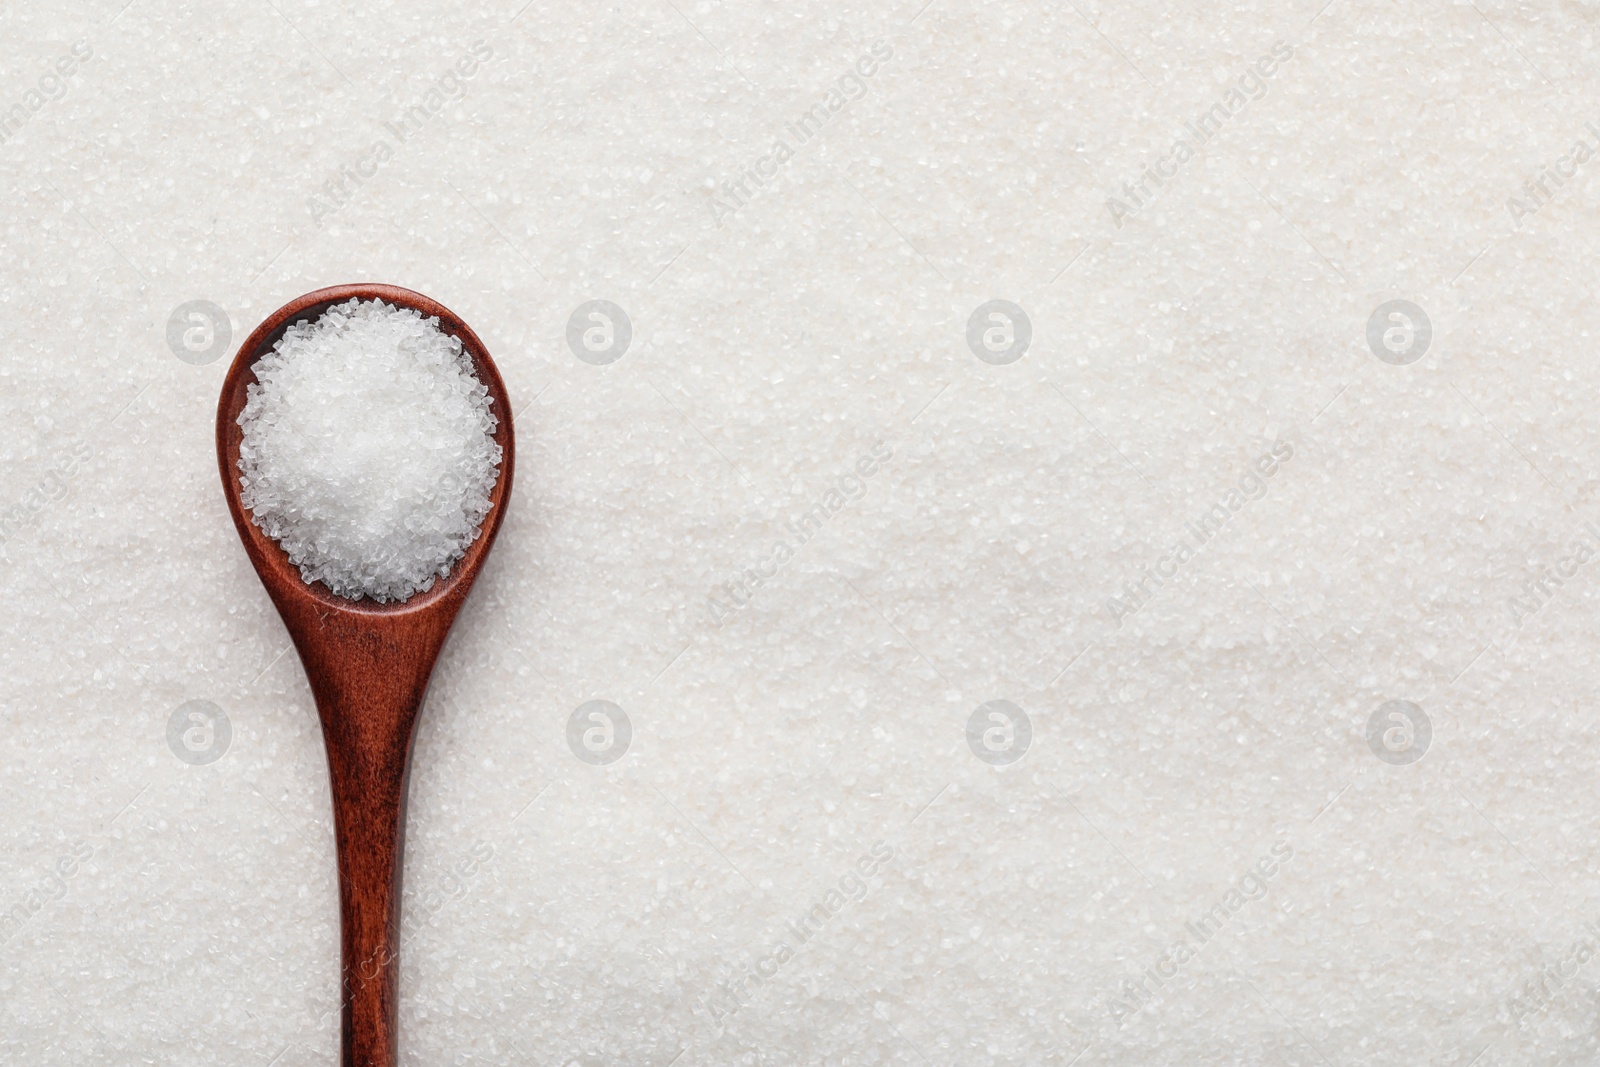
x=368, y=665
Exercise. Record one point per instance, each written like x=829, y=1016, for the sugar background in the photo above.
x=768, y=354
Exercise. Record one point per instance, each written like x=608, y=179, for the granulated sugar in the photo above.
x=1210, y=852
x=368, y=450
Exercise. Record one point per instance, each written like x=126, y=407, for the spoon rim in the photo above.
x=265, y=554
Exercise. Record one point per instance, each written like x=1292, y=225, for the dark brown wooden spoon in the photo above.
x=368, y=665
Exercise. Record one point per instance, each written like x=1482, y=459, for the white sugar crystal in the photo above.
x=368, y=450
x=1436, y=913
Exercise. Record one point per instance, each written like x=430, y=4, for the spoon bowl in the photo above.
x=368, y=665
x=264, y=552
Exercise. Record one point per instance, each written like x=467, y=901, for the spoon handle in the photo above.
x=369, y=825
x=369, y=679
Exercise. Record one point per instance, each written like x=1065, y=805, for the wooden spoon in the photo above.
x=368, y=665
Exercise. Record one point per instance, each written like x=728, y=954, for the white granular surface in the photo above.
x=368, y=450
x=1211, y=751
